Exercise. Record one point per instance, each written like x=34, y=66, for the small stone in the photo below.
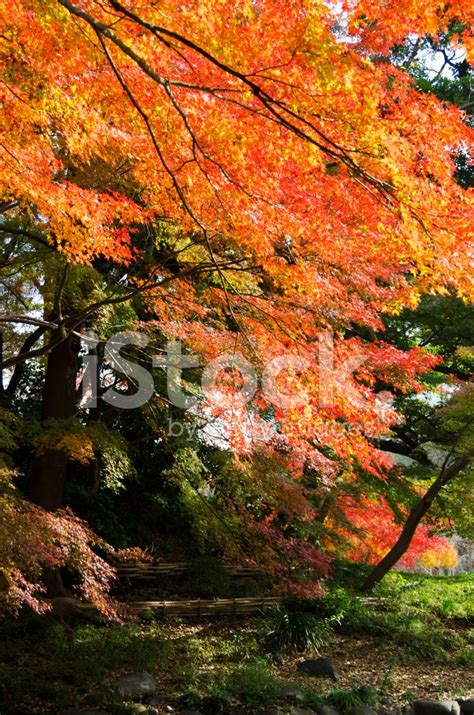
x=328, y=710
x=157, y=699
x=322, y=667
x=137, y=708
x=362, y=710
x=276, y=657
x=466, y=705
x=301, y=711
x=169, y=709
x=292, y=693
x=137, y=685
x=436, y=707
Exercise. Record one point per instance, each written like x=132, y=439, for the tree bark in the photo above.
x=416, y=514
x=49, y=468
x=20, y=367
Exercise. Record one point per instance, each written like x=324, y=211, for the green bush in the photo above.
x=466, y=657
x=207, y=578
x=253, y=685
x=191, y=699
x=217, y=699
x=331, y=608
x=346, y=699
x=313, y=700
x=298, y=631
x=67, y=665
x=349, y=574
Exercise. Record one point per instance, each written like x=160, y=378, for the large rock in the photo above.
x=320, y=667
x=362, y=710
x=134, y=685
x=466, y=705
x=436, y=707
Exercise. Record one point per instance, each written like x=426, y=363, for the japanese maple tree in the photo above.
x=259, y=175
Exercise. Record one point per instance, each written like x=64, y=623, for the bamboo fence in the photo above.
x=148, y=572
x=200, y=607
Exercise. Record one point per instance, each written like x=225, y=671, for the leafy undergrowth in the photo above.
x=423, y=617
x=414, y=637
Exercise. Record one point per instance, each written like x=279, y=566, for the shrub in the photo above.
x=208, y=578
x=346, y=699
x=217, y=699
x=298, y=631
x=253, y=685
x=466, y=657
x=191, y=699
x=331, y=608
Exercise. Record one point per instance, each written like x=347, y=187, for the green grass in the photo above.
x=256, y=686
x=422, y=617
x=51, y=664
x=445, y=596
x=344, y=700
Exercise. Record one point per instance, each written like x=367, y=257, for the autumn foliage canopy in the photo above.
x=295, y=184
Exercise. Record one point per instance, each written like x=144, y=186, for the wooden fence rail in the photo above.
x=148, y=572
x=210, y=607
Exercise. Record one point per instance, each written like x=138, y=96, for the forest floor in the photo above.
x=415, y=639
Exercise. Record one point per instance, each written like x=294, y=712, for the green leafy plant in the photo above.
x=253, y=685
x=466, y=657
x=217, y=699
x=208, y=578
x=331, y=608
x=313, y=700
x=346, y=699
x=191, y=699
x=298, y=631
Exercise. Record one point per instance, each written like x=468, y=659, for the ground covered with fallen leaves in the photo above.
x=413, y=639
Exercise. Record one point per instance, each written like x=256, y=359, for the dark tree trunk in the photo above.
x=20, y=367
x=414, y=517
x=49, y=469
x=48, y=473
